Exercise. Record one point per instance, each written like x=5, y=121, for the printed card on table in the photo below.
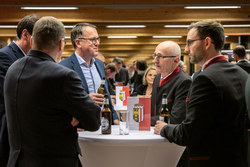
x=122, y=92
x=139, y=113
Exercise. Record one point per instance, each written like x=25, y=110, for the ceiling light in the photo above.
x=125, y=26
x=8, y=26
x=48, y=8
x=239, y=25
x=68, y=26
x=211, y=7
x=173, y=36
x=176, y=26
x=67, y=37
x=121, y=36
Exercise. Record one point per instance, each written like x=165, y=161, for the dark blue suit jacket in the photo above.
x=72, y=63
x=8, y=55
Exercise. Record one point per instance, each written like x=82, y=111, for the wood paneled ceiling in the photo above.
x=154, y=14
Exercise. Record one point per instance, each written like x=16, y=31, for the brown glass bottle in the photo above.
x=164, y=113
x=101, y=89
x=106, y=117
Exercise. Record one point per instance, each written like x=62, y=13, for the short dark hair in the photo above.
x=141, y=65
x=111, y=66
x=240, y=51
x=212, y=29
x=77, y=31
x=117, y=60
x=27, y=23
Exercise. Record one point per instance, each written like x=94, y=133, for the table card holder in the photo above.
x=139, y=113
x=122, y=92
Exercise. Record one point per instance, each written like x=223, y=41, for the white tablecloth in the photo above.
x=138, y=149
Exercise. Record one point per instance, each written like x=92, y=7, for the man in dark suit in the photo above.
x=214, y=129
x=8, y=55
x=85, y=39
x=239, y=54
x=140, y=67
x=173, y=81
x=122, y=74
x=44, y=103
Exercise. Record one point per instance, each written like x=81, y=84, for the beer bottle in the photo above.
x=164, y=113
x=101, y=89
x=106, y=116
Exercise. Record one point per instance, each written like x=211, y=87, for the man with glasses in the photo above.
x=214, y=129
x=173, y=81
x=85, y=40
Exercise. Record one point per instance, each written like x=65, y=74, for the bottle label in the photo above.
x=161, y=118
x=105, y=123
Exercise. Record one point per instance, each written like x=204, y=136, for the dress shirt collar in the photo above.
x=19, y=48
x=83, y=62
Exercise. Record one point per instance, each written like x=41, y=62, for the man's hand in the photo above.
x=116, y=122
x=158, y=127
x=97, y=98
x=74, y=122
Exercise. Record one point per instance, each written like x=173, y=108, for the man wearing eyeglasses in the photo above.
x=214, y=129
x=173, y=81
x=85, y=40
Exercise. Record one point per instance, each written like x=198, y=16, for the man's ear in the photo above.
x=25, y=34
x=208, y=42
x=61, y=44
x=31, y=41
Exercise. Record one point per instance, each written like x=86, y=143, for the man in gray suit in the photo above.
x=8, y=55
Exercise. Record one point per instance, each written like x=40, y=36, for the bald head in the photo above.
x=169, y=48
x=166, y=57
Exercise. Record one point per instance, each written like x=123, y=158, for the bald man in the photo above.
x=173, y=81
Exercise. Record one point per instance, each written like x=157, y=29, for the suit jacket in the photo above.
x=8, y=55
x=122, y=76
x=72, y=63
x=214, y=129
x=245, y=65
x=138, y=79
x=177, y=89
x=41, y=98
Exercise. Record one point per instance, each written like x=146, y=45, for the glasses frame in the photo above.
x=191, y=41
x=160, y=56
x=93, y=40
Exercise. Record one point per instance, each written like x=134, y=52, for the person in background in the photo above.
x=239, y=54
x=225, y=54
x=122, y=74
x=110, y=72
x=147, y=82
x=183, y=66
x=85, y=40
x=47, y=104
x=214, y=128
x=8, y=55
x=101, y=57
x=140, y=67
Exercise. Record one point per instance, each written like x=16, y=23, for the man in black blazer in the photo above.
x=8, y=55
x=44, y=103
x=85, y=39
x=173, y=81
x=214, y=129
x=239, y=54
x=247, y=93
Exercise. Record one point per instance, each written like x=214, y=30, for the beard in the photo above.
x=198, y=56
